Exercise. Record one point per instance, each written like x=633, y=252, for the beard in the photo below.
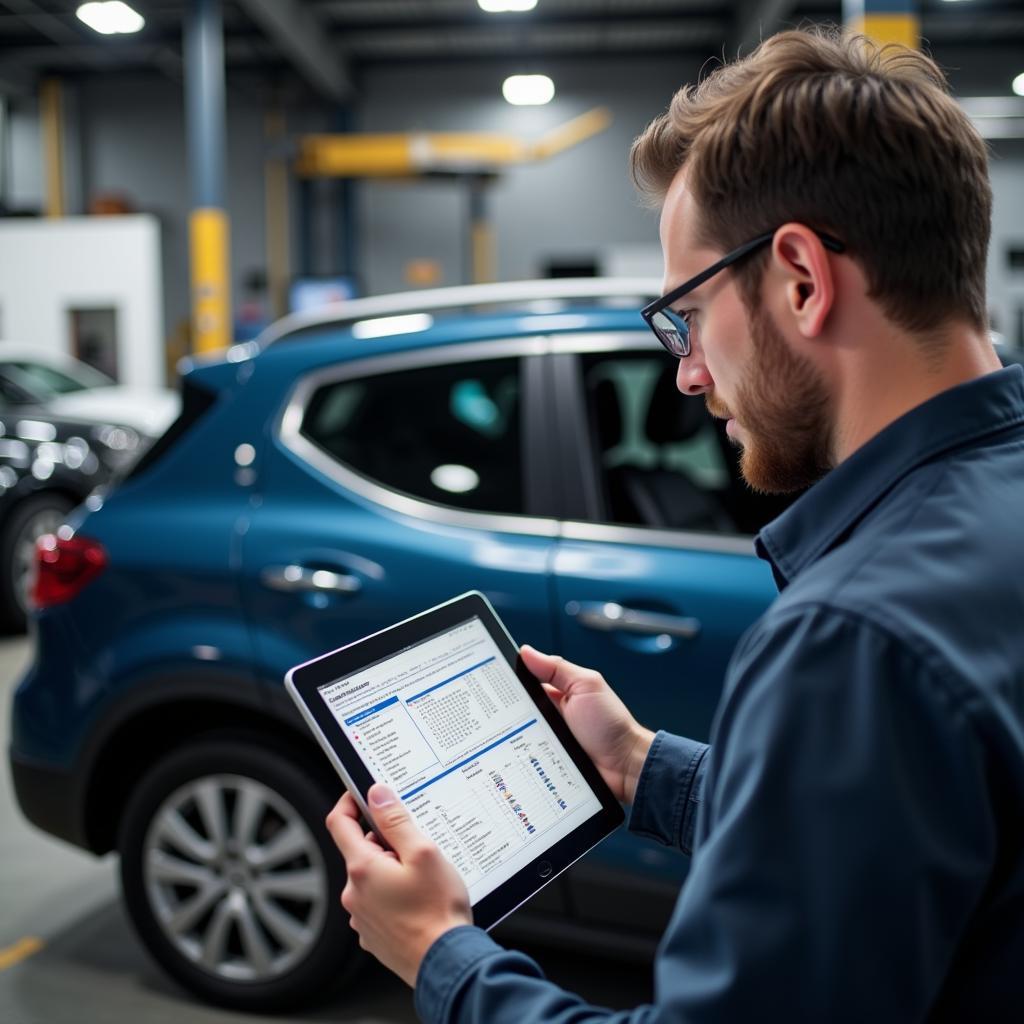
x=784, y=408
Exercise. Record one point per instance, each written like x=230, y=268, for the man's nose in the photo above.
x=692, y=377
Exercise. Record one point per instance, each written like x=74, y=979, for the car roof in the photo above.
x=444, y=316
x=471, y=300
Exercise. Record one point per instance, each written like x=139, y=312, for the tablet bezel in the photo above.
x=303, y=682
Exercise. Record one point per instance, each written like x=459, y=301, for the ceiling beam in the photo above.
x=43, y=22
x=756, y=20
x=302, y=38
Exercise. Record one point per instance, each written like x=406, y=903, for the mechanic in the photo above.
x=857, y=824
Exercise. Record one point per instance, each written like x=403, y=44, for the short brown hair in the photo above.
x=848, y=137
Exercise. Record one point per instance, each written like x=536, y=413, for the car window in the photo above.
x=447, y=433
x=51, y=381
x=663, y=460
x=19, y=389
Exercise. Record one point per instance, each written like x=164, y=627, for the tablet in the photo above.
x=441, y=708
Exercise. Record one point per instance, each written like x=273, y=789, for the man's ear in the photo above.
x=802, y=263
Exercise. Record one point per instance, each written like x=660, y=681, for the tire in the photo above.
x=231, y=879
x=24, y=524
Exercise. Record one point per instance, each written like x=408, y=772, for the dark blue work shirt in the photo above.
x=857, y=825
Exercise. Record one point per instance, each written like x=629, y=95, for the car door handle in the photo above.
x=299, y=579
x=610, y=617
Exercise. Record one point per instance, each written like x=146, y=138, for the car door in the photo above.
x=390, y=485
x=655, y=579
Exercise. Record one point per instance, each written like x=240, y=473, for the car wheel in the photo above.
x=231, y=878
x=26, y=523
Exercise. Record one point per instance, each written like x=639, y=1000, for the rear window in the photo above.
x=450, y=434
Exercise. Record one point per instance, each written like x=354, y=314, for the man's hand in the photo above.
x=610, y=735
x=399, y=901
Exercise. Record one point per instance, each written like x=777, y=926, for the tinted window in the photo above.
x=663, y=460
x=450, y=434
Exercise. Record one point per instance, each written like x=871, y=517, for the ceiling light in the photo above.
x=506, y=6
x=1018, y=84
x=111, y=17
x=528, y=90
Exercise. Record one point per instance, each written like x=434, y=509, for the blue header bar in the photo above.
x=451, y=679
x=472, y=757
x=355, y=719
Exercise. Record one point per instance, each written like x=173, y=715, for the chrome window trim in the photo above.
x=738, y=544
x=289, y=432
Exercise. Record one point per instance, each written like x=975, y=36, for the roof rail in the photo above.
x=462, y=297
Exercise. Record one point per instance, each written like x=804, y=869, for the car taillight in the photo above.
x=64, y=567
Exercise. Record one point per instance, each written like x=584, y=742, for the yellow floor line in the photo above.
x=21, y=950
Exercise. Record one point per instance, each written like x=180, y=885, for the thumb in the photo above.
x=392, y=820
x=543, y=666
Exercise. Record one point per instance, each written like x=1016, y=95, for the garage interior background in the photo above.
x=298, y=66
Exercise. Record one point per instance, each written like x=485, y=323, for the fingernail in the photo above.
x=381, y=796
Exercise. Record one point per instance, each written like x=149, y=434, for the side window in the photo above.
x=450, y=434
x=662, y=462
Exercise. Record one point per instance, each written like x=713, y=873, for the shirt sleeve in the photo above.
x=669, y=791
x=845, y=840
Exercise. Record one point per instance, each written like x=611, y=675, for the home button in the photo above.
x=544, y=869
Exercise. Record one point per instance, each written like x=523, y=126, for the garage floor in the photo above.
x=68, y=954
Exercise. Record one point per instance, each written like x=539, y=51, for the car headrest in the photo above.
x=672, y=416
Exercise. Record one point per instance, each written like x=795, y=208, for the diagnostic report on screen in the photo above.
x=447, y=724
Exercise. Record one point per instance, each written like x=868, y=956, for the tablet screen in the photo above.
x=448, y=725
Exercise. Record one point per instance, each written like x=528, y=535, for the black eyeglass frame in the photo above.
x=660, y=305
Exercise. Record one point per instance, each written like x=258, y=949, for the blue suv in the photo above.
x=339, y=474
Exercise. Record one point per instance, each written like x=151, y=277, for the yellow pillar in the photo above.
x=884, y=21
x=51, y=110
x=211, y=305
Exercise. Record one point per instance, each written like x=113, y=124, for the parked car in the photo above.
x=344, y=472
x=48, y=465
x=33, y=375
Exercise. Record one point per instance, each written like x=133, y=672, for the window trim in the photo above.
x=289, y=423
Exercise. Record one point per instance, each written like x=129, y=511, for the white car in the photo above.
x=66, y=387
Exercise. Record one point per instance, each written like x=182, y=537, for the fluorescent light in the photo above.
x=111, y=17
x=528, y=90
x=1018, y=84
x=506, y=6
x=384, y=326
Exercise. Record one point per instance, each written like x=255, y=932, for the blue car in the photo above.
x=340, y=473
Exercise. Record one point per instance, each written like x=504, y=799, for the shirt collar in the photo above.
x=818, y=520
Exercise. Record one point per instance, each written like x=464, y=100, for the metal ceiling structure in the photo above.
x=327, y=43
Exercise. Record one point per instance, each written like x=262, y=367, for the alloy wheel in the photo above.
x=235, y=878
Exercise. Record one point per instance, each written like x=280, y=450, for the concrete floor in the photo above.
x=68, y=954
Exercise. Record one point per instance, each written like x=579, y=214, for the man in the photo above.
x=857, y=825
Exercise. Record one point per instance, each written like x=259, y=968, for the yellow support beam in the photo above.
x=884, y=21
x=209, y=236
x=51, y=110
x=904, y=29
x=572, y=133
x=372, y=155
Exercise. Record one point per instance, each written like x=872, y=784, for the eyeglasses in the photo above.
x=672, y=329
